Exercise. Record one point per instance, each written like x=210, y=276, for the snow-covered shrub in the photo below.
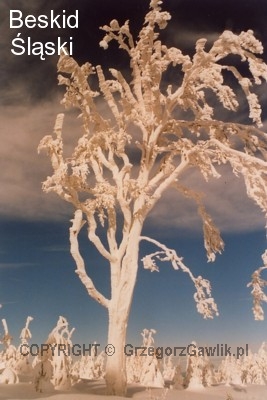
x=8, y=358
x=91, y=366
x=194, y=369
x=54, y=364
x=23, y=364
x=145, y=369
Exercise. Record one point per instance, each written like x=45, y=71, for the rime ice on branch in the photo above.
x=258, y=284
x=105, y=184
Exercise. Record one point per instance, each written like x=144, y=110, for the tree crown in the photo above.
x=129, y=155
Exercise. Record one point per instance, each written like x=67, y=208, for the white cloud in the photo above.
x=21, y=169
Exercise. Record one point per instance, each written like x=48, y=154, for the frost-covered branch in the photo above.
x=77, y=224
x=253, y=169
x=95, y=239
x=26, y=333
x=203, y=72
x=258, y=284
x=6, y=339
x=212, y=239
x=205, y=303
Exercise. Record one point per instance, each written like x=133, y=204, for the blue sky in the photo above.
x=36, y=270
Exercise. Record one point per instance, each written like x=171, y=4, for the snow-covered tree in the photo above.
x=194, y=378
x=43, y=373
x=126, y=159
x=53, y=368
x=8, y=358
x=258, y=284
x=178, y=379
x=23, y=365
x=209, y=378
x=172, y=373
x=60, y=338
x=168, y=369
x=254, y=367
x=143, y=367
x=91, y=366
x=262, y=361
x=150, y=373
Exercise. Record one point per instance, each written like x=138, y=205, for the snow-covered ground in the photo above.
x=55, y=375
x=92, y=390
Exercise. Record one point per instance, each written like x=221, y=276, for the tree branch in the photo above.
x=213, y=242
x=77, y=224
x=168, y=181
x=205, y=303
x=258, y=284
x=94, y=238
